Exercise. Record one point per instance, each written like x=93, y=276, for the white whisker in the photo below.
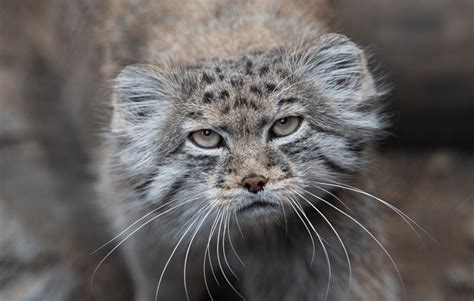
x=232, y=245
x=307, y=230
x=409, y=221
x=128, y=228
x=134, y=223
x=337, y=235
x=226, y=223
x=210, y=207
x=328, y=261
x=372, y=236
x=238, y=225
x=334, y=196
x=174, y=251
x=219, y=259
x=129, y=235
x=206, y=252
x=284, y=217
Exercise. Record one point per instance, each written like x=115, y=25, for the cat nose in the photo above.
x=254, y=183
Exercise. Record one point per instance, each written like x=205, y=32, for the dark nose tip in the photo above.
x=254, y=183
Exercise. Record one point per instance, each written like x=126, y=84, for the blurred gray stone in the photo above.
x=29, y=266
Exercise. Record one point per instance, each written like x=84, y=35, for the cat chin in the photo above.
x=257, y=206
x=258, y=209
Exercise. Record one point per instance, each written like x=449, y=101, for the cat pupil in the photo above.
x=283, y=120
x=206, y=132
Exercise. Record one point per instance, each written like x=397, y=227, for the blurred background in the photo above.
x=426, y=167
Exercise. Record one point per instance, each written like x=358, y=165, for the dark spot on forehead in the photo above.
x=208, y=79
x=208, y=97
x=254, y=106
x=220, y=75
x=224, y=94
x=236, y=81
x=248, y=67
x=270, y=87
x=282, y=73
x=255, y=90
x=258, y=52
x=226, y=109
x=244, y=102
x=264, y=70
x=240, y=101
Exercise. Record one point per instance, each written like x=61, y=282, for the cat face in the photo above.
x=247, y=135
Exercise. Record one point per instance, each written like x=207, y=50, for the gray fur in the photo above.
x=152, y=164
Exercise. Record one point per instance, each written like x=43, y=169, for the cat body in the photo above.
x=230, y=146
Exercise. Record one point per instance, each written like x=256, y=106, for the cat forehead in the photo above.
x=237, y=92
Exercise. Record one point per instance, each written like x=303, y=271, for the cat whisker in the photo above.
x=126, y=229
x=409, y=221
x=217, y=243
x=334, y=196
x=207, y=253
x=226, y=224
x=286, y=78
x=238, y=225
x=232, y=245
x=328, y=261
x=133, y=224
x=208, y=250
x=282, y=91
x=219, y=259
x=129, y=235
x=211, y=207
x=284, y=216
x=371, y=235
x=337, y=235
x=198, y=215
x=307, y=230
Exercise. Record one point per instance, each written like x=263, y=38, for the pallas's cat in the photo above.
x=233, y=151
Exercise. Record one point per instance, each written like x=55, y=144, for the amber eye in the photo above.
x=285, y=126
x=206, y=138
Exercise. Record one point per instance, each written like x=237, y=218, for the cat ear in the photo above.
x=140, y=91
x=338, y=68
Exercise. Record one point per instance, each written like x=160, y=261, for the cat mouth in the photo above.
x=258, y=205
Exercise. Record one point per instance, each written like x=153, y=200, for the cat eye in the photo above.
x=285, y=126
x=206, y=138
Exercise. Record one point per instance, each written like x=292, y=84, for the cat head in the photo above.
x=244, y=135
